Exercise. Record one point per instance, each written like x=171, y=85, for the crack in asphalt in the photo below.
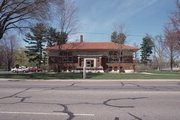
x=73, y=84
x=85, y=88
x=140, y=86
x=54, y=88
x=15, y=94
x=66, y=111
x=107, y=102
x=23, y=98
x=74, y=87
x=67, y=86
x=85, y=103
x=122, y=84
x=134, y=116
x=65, y=106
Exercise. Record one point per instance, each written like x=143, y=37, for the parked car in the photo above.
x=20, y=69
x=35, y=69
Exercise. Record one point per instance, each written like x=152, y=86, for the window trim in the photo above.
x=85, y=61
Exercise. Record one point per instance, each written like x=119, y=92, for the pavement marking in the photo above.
x=41, y=113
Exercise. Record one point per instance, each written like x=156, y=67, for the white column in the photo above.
x=100, y=61
x=78, y=61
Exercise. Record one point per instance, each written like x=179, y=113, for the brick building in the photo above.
x=95, y=56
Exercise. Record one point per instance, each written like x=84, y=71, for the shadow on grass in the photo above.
x=43, y=76
x=51, y=76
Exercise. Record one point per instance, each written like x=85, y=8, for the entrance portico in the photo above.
x=92, y=64
x=89, y=62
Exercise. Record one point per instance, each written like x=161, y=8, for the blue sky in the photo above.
x=99, y=18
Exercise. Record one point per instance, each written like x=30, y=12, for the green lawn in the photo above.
x=43, y=76
x=130, y=76
x=90, y=76
x=164, y=72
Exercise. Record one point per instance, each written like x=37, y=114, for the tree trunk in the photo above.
x=1, y=35
x=59, y=69
x=171, y=59
x=9, y=66
x=120, y=64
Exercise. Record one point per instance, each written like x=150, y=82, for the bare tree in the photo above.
x=68, y=23
x=119, y=36
x=136, y=53
x=67, y=17
x=175, y=17
x=171, y=43
x=172, y=35
x=8, y=47
x=119, y=56
x=16, y=14
x=175, y=20
x=159, y=50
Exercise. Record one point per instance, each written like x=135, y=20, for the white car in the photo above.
x=20, y=69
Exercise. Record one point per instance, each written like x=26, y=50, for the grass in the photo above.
x=91, y=76
x=164, y=72
x=130, y=76
x=43, y=76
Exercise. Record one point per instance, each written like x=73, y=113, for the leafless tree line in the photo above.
x=167, y=47
x=8, y=46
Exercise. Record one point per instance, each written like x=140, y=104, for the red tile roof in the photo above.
x=90, y=46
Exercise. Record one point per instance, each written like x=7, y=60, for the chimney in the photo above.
x=81, y=38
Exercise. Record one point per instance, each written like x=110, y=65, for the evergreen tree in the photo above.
x=118, y=37
x=51, y=37
x=55, y=38
x=146, y=49
x=63, y=38
x=36, y=40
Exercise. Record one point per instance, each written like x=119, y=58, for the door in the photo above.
x=89, y=63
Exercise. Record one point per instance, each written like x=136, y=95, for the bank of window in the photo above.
x=65, y=57
x=114, y=59
x=115, y=56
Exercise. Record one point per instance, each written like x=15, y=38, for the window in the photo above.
x=65, y=57
x=89, y=63
x=115, y=56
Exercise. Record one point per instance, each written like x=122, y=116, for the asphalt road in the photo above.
x=89, y=100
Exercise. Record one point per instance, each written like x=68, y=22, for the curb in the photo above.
x=93, y=80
